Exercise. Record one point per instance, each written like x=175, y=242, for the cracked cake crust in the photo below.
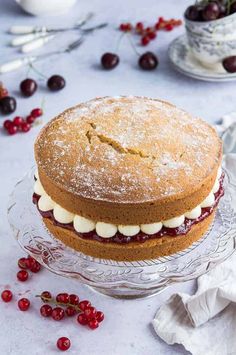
x=127, y=160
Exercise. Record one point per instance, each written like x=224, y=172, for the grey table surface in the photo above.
x=127, y=329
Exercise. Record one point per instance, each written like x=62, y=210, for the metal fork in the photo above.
x=18, y=63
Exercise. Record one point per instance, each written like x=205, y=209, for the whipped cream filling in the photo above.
x=108, y=230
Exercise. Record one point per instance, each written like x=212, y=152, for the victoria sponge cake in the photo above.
x=127, y=178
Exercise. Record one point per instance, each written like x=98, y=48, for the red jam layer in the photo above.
x=140, y=237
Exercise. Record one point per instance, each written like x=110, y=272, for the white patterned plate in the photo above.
x=184, y=62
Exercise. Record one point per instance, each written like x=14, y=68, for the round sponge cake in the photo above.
x=127, y=160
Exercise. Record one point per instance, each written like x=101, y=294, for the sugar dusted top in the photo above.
x=127, y=150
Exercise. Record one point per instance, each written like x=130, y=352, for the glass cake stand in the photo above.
x=121, y=279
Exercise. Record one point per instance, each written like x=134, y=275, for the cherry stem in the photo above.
x=37, y=71
x=53, y=301
x=133, y=45
x=43, y=104
x=119, y=42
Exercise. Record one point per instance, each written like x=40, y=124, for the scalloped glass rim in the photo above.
x=121, y=279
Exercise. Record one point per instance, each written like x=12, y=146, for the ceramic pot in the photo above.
x=45, y=7
x=212, y=41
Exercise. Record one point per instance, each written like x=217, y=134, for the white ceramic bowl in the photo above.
x=45, y=7
x=212, y=41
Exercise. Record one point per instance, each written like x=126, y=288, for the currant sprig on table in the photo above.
x=149, y=33
x=70, y=305
x=57, y=308
x=20, y=124
x=147, y=60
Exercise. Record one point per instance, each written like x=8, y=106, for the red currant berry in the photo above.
x=18, y=121
x=58, y=313
x=139, y=27
x=169, y=27
x=30, y=119
x=82, y=319
x=90, y=313
x=125, y=27
x=24, y=304
x=70, y=311
x=62, y=298
x=178, y=22
x=100, y=316
x=84, y=304
x=46, y=296
x=25, y=127
x=128, y=27
x=35, y=267
x=46, y=310
x=6, y=295
x=63, y=343
x=74, y=299
x=12, y=129
x=36, y=112
x=22, y=275
x=148, y=30
x=145, y=40
x=7, y=124
x=93, y=324
x=152, y=35
x=122, y=26
x=23, y=263
x=31, y=260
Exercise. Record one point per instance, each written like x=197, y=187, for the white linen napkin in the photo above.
x=205, y=322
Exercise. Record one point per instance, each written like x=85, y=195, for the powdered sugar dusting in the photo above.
x=127, y=149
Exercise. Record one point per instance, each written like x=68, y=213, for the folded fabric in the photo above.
x=226, y=121
x=187, y=320
x=205, y=322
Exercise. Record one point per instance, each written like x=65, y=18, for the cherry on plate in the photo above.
x=229, y=64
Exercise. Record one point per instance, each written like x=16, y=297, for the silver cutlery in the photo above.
x=17, y=63
x=20, y=30
x=35, y=44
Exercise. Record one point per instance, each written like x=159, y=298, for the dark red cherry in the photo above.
x=148, y=61
x=109, y=60
x=211, y=11
x=229, y=64
x=192, y=13
x=28, y=87
x=7, y=105
x=56, y=83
